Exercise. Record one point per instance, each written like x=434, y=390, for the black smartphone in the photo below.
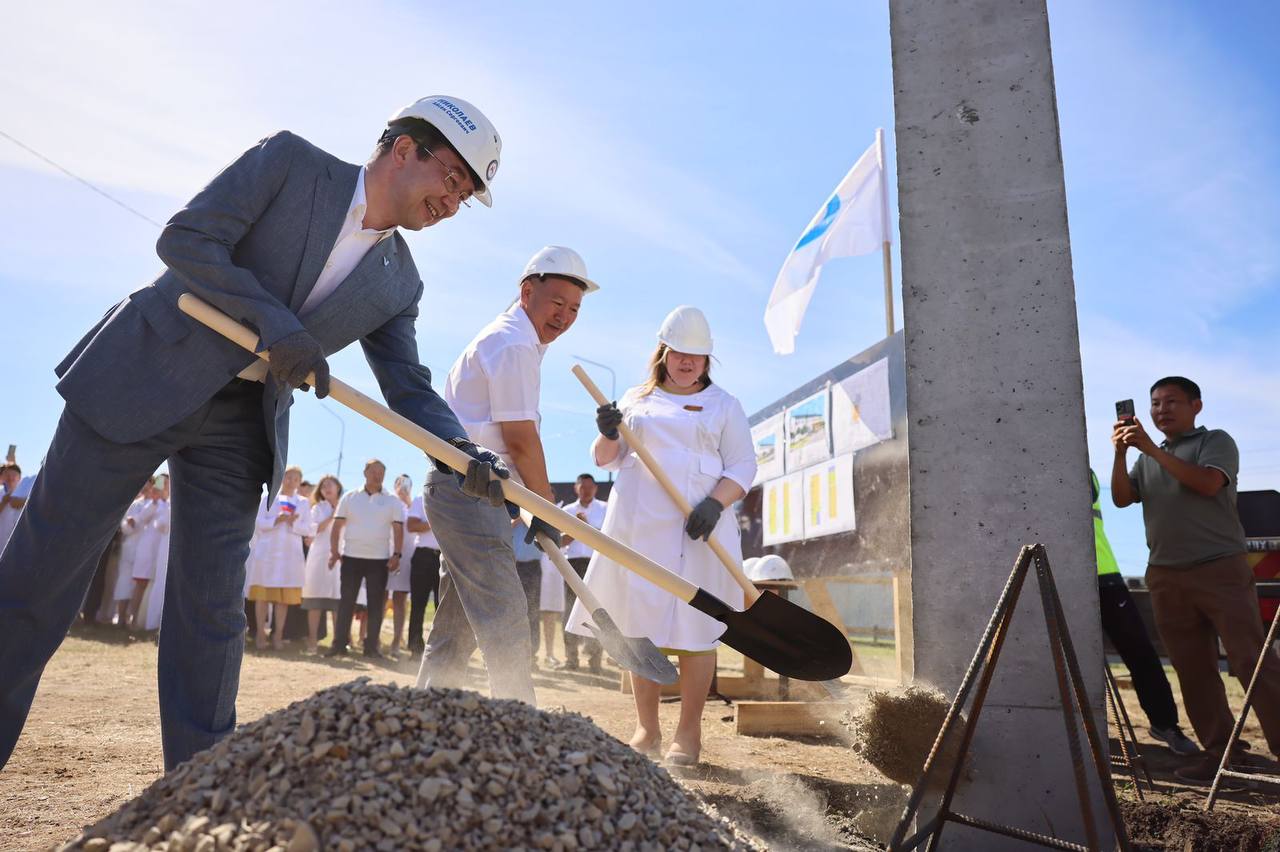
x=1125, y=410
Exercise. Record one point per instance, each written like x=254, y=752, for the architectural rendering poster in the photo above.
x=783, y=510
x=767, y=437
x=807, y=432
x=860, y=413
x=828, y=497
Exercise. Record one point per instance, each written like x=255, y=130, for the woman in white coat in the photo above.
x=153, y=606
x=399, y=582
x=700, y=436
x=278, y=562
x=143, y=569
x=135, y=520
x=322, y=584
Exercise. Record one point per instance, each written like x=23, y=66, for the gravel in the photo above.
x=378, y=767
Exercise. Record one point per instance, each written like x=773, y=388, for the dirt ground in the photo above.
x=93, y=741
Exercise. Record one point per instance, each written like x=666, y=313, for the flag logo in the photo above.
x=821, y=227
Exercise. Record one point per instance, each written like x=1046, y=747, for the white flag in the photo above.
x=853, y=221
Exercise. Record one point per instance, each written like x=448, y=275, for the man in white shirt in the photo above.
x=13, y=496
x=493, y=389
x=371, y=520
x=589, y=510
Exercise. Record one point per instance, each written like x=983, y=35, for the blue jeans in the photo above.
x=219, y=460
x=481, y=600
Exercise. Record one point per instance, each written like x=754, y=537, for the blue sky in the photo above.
x=681, y=149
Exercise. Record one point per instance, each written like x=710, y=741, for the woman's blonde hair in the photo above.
x=317, y=496
x=658, y=371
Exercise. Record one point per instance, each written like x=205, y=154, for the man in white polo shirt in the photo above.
x=371, y=520
x=590, y=510
x=493, y=389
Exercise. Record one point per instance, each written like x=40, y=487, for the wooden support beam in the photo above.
x=795, y=718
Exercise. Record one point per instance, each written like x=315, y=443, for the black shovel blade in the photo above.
x=781, y=636
x=638, y=656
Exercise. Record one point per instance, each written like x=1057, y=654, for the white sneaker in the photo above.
x=1178, y=742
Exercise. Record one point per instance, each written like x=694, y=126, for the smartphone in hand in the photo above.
x=1125, y=410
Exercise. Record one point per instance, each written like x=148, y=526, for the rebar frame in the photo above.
x=1070, y=689
x=1129, y=758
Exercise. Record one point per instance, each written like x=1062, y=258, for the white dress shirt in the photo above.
x=497, y=380
x=367, y=534
x=354, y=242
x=595, y=517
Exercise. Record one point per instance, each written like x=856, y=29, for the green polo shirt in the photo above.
x=1184, y=527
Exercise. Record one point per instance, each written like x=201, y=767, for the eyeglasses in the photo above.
x=452, y=177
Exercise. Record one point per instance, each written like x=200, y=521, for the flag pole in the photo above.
x=884, y=245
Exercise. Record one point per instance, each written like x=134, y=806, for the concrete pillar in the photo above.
x=994, y=392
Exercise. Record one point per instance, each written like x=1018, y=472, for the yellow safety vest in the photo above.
x=1106, y=559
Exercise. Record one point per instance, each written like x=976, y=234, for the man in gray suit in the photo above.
x=304, y=248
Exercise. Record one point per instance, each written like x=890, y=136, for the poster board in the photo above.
x=860, y=412
x=783, y=509
x=828, y=497
x=808, y=431
x=768, y=440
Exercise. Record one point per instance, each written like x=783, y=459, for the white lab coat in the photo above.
x=154, y=533
x=399, y=581
x=552, y=588
x=697, y=439
x=320, y=582
x=278, y=561
x=153, y=604
x=140, y=511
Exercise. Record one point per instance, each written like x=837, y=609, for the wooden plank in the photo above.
x=820, y=599
x=796, y=718
x=903, y=636
x=731, y=686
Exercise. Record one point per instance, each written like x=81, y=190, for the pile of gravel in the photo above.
x=364, y=766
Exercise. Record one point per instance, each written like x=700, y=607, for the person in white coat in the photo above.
x=399, y=583
x=700, y=436
x=136, y=518
x=278, y=560
x=321, y=584
x=153, y=603
x=144, y=562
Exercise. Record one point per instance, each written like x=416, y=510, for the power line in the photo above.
x=33, y=152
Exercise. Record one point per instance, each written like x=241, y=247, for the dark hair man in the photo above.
x=1201, y=586
x=304, y=248
x=587, y=508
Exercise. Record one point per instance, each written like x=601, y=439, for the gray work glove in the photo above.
x=541, y=526
x=608, y=417
x=296, y=355
x=477, y=482
x=703, y=519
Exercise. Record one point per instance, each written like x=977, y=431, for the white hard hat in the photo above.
x=558, y=260
x=749, y=564
x=686, y=330
x=770, y=567
x=471, y=134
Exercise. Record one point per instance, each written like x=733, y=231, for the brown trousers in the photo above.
x=1194, y=605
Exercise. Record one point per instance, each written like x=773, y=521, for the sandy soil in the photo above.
x=93, y=741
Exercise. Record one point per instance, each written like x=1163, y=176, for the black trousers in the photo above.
x=572, y=640
x=1124, y=627
x=530, y=573
x=424, y=581
x=374, y=574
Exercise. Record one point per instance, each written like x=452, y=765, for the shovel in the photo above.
x=823, y=639
x=637, y=655
x=778, y=636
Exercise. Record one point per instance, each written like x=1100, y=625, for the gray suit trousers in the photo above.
x=219, y=460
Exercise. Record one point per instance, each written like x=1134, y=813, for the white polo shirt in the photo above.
x=595, y=517
x=367, y=534
x=497, y=380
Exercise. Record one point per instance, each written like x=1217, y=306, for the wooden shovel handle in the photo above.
x=455, y=458
x=748, y=588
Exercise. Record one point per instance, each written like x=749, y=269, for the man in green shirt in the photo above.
x=1201, y=586
x=1128, y=634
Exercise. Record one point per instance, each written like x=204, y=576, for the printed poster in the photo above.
x=860, y=413
x=807, y=432
x=783, y=509
x=828, y=497
x=767, y=437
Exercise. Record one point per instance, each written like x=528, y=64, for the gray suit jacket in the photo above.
x=252, y=243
